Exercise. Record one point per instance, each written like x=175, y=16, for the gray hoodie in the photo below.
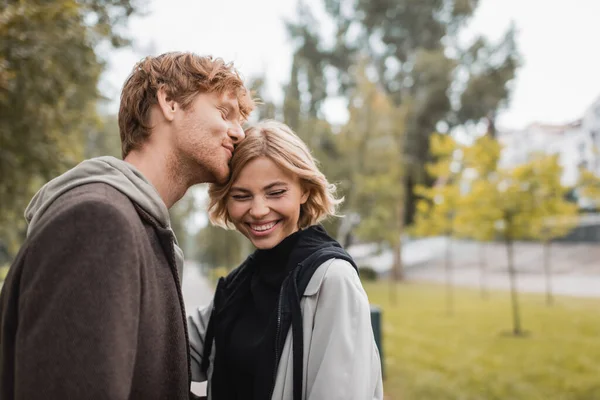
x=117, y=173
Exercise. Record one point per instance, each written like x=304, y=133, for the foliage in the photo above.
x=476, y=217
x=553, y=215
x=367, y=274
x=370, y=164
x=265, y=109
x=588, y=186
x=371, y=144
x=103, y=139
x=3, y=272
x=49, y=72
x=432, y=357
x=217, y=247
x=438, y=205
x=415, y=55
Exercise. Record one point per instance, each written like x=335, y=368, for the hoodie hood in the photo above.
x=114, y=172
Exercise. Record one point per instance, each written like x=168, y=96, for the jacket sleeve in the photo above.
x=79, y=307
x=343, y=361
x=197, y=326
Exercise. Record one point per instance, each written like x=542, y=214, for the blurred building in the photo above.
x=577, y=143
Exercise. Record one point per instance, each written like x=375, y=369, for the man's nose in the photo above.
x=236, y=133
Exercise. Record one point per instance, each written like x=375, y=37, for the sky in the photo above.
x=558, y=40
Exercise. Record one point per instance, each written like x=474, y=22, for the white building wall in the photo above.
x=577, y=143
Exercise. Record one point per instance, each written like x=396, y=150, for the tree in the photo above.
x=488, y=69
x=371, y=148
x=415, y=54
x=480, y=162
x=588, y=186
x=103, y=139
x=554, y=216
x=501, y=203
x=265, y=109
x=49, y=72
x=437, y=207
x=218, y=247
x=512, y=200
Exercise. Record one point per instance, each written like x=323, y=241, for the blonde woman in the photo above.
x=293, y=321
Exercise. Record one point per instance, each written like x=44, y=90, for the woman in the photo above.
x=293, y=321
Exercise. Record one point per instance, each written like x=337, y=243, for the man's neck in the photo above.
x=161, y=173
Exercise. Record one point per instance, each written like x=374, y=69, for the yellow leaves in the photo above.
x=483, y=155
x=589, y=185
x=442, y=146
x=527, y=201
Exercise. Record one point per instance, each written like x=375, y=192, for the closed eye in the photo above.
x=277, y=193
x=240, y=197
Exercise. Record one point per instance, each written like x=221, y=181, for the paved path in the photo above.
x=568, y=284
x=197, y=292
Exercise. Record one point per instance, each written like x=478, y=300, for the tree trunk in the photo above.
x=491, y=124
x=548, y=273
x=397, y=256
x=512, y=273
x=397, y=267
x=482, y=271
x=448, y=269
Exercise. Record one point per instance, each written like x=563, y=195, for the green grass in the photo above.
x=472, y=355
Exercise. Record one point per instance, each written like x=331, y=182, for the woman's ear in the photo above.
x=305, y=195
x=167, y=106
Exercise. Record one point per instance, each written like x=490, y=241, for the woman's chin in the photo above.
x=264, y=244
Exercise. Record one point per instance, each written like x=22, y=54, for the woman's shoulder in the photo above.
x=333, y=273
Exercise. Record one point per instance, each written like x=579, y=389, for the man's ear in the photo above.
x=167, y=106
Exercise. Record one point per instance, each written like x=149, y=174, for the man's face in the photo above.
x=205, y=136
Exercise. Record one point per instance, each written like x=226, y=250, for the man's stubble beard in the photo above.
x=199, y=167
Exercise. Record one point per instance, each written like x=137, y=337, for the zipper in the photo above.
x=277, y=335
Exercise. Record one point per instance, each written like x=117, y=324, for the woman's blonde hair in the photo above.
x=278, y=142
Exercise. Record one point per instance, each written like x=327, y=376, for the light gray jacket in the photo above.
x=341, y=360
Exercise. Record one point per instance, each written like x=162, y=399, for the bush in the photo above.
x=367, y=274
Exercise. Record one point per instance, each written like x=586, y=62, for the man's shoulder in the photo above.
x=93, y=202
x=94, y=194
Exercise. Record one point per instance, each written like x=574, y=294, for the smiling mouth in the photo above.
x=263, y=229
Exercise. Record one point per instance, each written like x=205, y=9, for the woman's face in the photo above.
x=264, y=202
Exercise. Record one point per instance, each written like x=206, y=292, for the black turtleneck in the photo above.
x=250, y=345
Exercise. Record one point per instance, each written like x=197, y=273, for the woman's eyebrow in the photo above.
x=272, y=185
x=238, y=189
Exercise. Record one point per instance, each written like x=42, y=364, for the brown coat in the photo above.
x=92, y=306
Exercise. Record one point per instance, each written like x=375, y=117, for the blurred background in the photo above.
x=463, y=134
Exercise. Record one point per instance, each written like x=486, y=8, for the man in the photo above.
x=92, y=307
